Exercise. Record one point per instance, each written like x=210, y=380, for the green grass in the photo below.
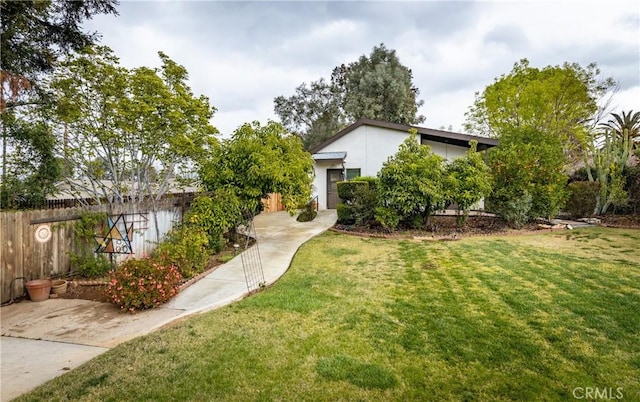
x=490, y=318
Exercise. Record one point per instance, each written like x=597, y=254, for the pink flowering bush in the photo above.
x=143, y=284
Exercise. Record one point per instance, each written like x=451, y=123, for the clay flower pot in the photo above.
x=39, y=289
x=59, y=286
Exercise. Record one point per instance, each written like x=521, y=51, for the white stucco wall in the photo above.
x=448, y=151
x=367, y=149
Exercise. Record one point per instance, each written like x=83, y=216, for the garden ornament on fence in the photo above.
x=115, y=242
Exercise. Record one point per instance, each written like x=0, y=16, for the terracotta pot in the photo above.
x=39, y=289
x=59, y=286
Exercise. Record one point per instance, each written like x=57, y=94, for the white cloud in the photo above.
x=243, y=54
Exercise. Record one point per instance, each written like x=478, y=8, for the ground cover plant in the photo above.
x=533, y=317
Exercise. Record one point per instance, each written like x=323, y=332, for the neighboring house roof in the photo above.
x=74, y=189
x=446, y=137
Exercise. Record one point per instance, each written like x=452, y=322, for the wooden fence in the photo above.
x=36, y=244
x=273, y=203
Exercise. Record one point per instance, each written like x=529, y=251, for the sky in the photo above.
x=242, y=55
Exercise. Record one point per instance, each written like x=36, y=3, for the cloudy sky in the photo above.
x=244, y=54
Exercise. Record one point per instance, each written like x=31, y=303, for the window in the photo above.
x=353, y=173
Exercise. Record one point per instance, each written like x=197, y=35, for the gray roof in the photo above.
x=326, y=156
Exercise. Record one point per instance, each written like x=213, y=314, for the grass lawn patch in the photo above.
x=532, y=317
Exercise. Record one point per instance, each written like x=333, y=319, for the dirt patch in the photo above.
x=620, y=221
x=86, y=290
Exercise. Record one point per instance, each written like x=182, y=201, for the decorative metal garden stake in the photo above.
x=115, y=242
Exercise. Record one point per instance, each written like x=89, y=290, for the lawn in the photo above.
x=537, y=317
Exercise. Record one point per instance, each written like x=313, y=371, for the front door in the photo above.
x=333, y=177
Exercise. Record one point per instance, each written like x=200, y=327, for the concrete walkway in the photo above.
x=43, y=340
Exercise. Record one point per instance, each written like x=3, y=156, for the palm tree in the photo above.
x=628, y=121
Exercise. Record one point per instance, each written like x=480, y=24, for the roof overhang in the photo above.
x=330, y=156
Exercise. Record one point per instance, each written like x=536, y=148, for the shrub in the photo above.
x=528, y=163
x=143, y=284
x=214, y=214
x=514, y=207
x=359, y=200
x=467, y=181
x=84, y=262
x=346, y=214
x=347, y=190
x=371, y=180
x=308, y=212
x=583, y=197
x=632, y=187
x=186, y=248
x=411, y=183
x=89, y=265
x=387, y=217
x=365, y=200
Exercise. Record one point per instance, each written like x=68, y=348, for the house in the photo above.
x=362, y=148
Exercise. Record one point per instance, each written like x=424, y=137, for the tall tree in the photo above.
x=379, y=87
x=31, y=168
x=313, y=112
x=137, y=128
x=559, y=100
x=35, y=33
x=376, y=87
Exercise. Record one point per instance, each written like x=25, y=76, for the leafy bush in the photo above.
x=528, y=164
x=359, y=200
x=308, y=212
x=90, y=265
x=214, y=214
x=411, y=184
x=84, y=261
x=347, y=190
x=143, y=284
x=387, y=217
x=365, y=200
x=186, y=248
x=632, y=187
x=346, y=214
x=512, y=206
x=583, y=197
x=467, y=181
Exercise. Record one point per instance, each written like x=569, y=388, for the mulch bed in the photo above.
x=440, y=228
x=444, y=228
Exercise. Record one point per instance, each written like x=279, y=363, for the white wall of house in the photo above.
x=367, y=148
x=448, y=151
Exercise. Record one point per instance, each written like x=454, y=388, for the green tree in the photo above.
x=313, y=112
x=376, y=87
x=529, y=182
x=258, y=160
x=138, y=128
x=411, y=185
x=35, y=33
x=559, y=100
x=31, y=168
x=467, y=181
x=379, y=87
